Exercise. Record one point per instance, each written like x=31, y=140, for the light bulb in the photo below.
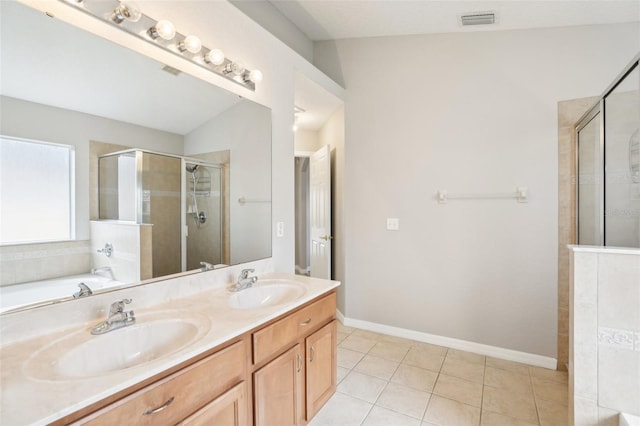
x=126, y=10
x=214, y=56
x=255, y=76
x=191, y=44
x=236, y=68
x=163, y=29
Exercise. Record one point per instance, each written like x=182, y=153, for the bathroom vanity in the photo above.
x=261, y=365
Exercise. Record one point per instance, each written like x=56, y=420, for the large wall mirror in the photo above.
x=168, y=173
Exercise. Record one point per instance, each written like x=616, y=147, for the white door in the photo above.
x=320, y=212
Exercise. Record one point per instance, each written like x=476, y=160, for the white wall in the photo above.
x=469, y=112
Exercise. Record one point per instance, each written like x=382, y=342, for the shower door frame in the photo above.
x=598, y=108
x=183, y=202
x=595, y=113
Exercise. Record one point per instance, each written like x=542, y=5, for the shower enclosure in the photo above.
x=179, y=196
x=608, y=166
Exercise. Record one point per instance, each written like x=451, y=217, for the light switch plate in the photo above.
x=280, y=229
x=393, y=224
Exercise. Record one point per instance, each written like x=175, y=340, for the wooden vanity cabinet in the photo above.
x=321, y=367
x=290, y=388
x=279, y=390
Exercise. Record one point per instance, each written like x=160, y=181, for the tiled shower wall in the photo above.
x=604, y=359
x=35, y=262
x=569, y=112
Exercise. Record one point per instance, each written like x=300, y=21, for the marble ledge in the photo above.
x=603, y=250
x=28, y=399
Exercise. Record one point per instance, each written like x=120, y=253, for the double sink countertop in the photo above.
x=31, y=393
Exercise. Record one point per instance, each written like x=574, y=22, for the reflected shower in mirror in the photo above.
x=204, y=148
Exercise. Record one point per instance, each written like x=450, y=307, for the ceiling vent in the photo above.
x=478, y=18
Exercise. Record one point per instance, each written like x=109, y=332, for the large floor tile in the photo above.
x=511, y=404
x=458, y=367
x=446, y=412
x=371, y=335
x=415, y=377
x=426, y=359
x=342, y=373
x=466, y=356
x=379, y=416
x=404, y=400
x=550, y=391
x=358, y=343
x=429, y=348
x=489, y=418
x=547, y=374
x=342, y=410
x=362, y=386
x=552, y=413
x=389, y=350
x=502, y=364
x=459, y=390
x=377, y=367
x=348, y=358
x=503, y=379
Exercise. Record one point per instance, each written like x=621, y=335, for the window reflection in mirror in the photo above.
x=99, y=98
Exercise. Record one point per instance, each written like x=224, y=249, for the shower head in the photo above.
x=191, y=167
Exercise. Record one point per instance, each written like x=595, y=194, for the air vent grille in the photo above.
x=484, y=18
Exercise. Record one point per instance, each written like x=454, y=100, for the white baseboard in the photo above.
x=463, y=345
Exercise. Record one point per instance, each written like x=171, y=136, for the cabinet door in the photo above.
x=321, y=367
x=229, y=409
x=279, y=390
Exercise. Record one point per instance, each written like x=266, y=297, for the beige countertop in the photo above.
x=31, y=394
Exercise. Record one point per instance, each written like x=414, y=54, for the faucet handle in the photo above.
x=118, y=306
x=244, y=274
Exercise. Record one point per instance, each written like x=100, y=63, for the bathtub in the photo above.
x=628, y=420
x=24, y=294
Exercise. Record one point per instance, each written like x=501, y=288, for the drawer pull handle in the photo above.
x=312, y=353
x=306, y=322
x=160, y=408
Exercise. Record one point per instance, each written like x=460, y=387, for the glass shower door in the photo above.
x=590, y=202
x=622, y=163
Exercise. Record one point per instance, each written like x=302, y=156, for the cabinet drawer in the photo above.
x=175, y=397
x=287, y=330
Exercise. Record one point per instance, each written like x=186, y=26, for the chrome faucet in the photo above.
x=206, y=266
x=117, y=318
x=244, y=280
x=84, y=291
x=94, y=271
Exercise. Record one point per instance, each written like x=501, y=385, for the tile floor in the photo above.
x=389, y=381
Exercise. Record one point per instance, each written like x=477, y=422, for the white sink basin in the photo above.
x=267, y=293
x=82, y=354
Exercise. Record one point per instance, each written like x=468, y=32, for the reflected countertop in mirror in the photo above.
x=62, y=85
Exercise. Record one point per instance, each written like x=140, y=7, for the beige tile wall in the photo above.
x=569, y=112
x=35, y=262
x=604, y=357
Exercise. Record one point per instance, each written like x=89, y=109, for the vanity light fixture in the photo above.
x=127, y=16
x=126, y=10
x=214, y=56
x=191, y=44
x=163, y=29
